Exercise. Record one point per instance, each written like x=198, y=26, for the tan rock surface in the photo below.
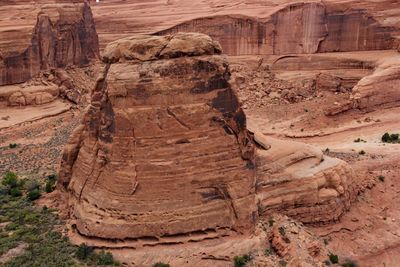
x=163, y=155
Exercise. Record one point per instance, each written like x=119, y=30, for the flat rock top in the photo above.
x=148, y=47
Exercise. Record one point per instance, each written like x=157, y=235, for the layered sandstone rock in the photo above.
x=163, y=155
x=300, y=28
x=298, y=180
x=44, y=35
x=378, y=90
x=244, y=21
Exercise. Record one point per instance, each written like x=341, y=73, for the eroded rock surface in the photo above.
x=44, y=35
x=163, y=155
x=299, y=28
x=298, y=180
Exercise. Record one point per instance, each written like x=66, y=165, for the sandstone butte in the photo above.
x=163, y=154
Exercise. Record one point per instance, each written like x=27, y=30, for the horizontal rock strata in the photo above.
x=298, y=180
x=163, y=154
x=299, y=28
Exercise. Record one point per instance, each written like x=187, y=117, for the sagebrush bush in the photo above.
x=241, y=261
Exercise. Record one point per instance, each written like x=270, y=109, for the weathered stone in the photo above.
x=163, y=150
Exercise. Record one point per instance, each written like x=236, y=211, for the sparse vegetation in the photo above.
x=333, y=258
x=13, y=145
x=271, y=222
x=391, y=138
x=160, y=264
x=359, y=140
x=362, y=152
x=50, y=183
x=282, y=263
x=241, y=261
x=381, y=178
x=39, y=229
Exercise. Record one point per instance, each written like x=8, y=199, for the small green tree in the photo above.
x=241, y=261
x=33, y=194
x=105, y=258
x=10, y=179
x=333, y=258
x=160, y=264
x=83, y=251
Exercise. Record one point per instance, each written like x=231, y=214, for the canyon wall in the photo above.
x=162, y=155
x=42, y=37
x=300, y=28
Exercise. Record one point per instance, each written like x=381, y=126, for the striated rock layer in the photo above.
x=299, y=28
x=163, y=154
x=49, y=34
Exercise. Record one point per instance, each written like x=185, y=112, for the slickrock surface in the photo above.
x=298, y=180
x=162, y=155
x=40, y=35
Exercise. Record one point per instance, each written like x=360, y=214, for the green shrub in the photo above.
x=33, y=194
x=333, y=258
x=10, y=179
x=390, y=138
x=105, y=258
x=15, y=192
x=241, y=261
x=83, y=252
x=362, y=152
x=282, y=263
x=271, y=222
x=160, y=264
x=381, y=178
x=13, y=145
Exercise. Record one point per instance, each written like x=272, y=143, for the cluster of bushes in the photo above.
x=86, y=253
x=32, y=189
x=17, y=187
x=391, y=138
x=39, y=229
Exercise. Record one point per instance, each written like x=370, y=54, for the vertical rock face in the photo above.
x=163, y=154
x=299, y=28
x=60, y=35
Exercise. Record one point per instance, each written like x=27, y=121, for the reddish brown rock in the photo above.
x=299, y=28
x=163, y=154
x=42, y=36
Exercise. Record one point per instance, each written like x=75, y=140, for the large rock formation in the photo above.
x=163, y=154
x=238, y=25
x=300, y=28
x=44, y=36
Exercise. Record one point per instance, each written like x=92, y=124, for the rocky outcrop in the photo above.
x=298, y=180
x=378, y=90
x=300, y=28
x=163, y=155
x=44, y=37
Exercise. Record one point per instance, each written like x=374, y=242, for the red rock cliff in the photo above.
x=44, y=36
